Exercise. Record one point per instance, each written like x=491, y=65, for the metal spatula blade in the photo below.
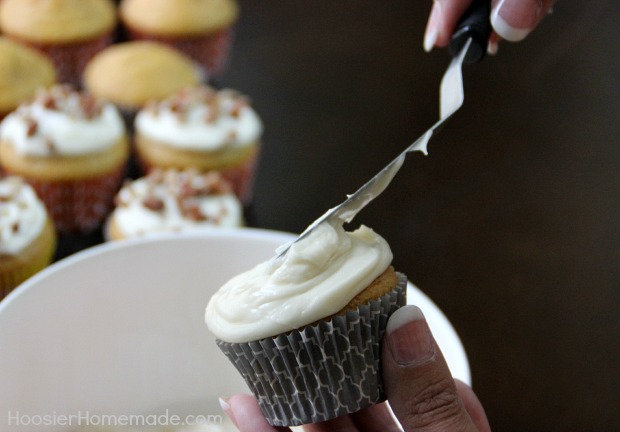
x=451, y=99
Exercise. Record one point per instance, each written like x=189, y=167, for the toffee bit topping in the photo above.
x=49, y=102
x=31, y=126
x=191, y=210
x=204, y=103
x=153, y=203
x=15, y=227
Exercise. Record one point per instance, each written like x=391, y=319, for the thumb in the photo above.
x=418, y=383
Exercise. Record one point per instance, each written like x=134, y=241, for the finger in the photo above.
x=375, y=418
x=245, y=413
x=442, y=21
x=339, y=424
x=473, y=406
x=513, y=20
x=418, y=383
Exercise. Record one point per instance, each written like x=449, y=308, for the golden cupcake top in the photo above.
x=131, y=74
x=178, y=17
x=22, y=71
x=57, y=21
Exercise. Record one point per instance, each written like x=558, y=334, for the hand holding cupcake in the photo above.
x=305, y=329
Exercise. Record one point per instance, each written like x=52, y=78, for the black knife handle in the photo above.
x=474, y=24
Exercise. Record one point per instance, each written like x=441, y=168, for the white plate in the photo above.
x=118, y=330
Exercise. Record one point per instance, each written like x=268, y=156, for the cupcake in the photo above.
x=27, y=236
x=130, y=74
x=167, y=201
x=304, y=329
x=70, y=32
x=203, y=128
x=22, y=71
x=72, y=148
x=202, y=29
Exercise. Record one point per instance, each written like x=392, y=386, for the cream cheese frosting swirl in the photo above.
x=22, y=215
x=201, y=119
x=61, y=121
x=316, y=278
x=171, y=201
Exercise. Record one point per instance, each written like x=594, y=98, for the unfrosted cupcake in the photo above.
x=27, y=236
x=22, y=71
x=168, y=201
x=304, y=329
x=202, y=128
x=202, y=29
x=70, y=32
x=72, y=148
x=130, y=74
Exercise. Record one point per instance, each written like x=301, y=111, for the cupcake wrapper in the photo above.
x=242, y=179
x=79, y=205
x=321, y=371
x=211, y=52
x=70, y=59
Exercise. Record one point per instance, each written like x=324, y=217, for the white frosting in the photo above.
x=201, y=119
x=22, y=215
x=175, y=201
x=62, y=122
x=316, y=278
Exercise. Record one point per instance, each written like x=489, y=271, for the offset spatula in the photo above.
x=468, y=45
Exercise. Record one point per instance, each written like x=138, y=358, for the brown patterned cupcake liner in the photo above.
x=70, y=59
x=211, y=52
x=321, y=371
x=81, y=205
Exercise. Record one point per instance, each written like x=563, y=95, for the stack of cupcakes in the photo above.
x=97, y=93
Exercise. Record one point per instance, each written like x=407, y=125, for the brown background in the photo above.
x=510, y=224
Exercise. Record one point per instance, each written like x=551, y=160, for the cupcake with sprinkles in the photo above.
x=72, y=148
x=27, y=236
x=202, y=128
x=170, y=201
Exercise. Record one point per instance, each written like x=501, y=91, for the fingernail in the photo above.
x=409, y=337
x=226, y=408
x=432, y=28
x=513, y=20
x=492, y=47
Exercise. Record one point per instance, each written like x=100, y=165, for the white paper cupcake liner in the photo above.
x=322, y=371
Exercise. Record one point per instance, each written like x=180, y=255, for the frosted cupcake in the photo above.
x=130, y=74
x=27, y=237
x=167, y=201
x=72, y=148
x=202, y=29
x=70, y=32
x=304, y=329
x=22, y=72
x=202, y=128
